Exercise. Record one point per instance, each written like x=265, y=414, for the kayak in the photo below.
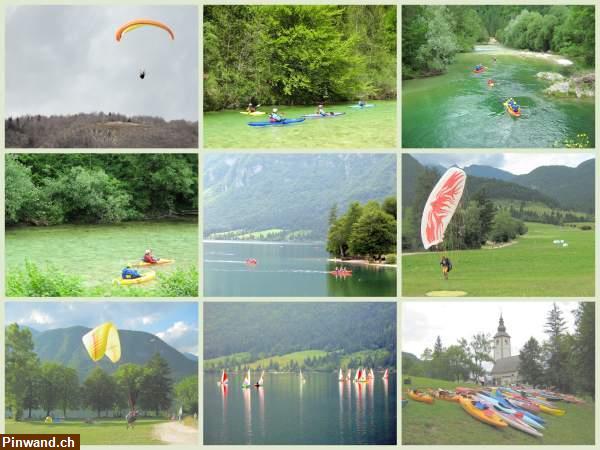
x=420, y=397
x=447, y=395
x=283, y=122
x=482, y=413
x=255, y=113
x=483, y=69
x=148, y=276
x=320, y=116
x=370, y=105
x=147, y=264
x=514, y=421
x=552, y=411
x=510, y=110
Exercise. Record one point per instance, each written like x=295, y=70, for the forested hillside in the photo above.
x=290, y=54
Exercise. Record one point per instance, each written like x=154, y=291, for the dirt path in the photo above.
x=175, y=433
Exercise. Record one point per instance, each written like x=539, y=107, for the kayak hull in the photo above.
x=276, y=124
x=486, y=416
x=147, y=264
x=363, y=106
x=320, y=116
x=483, y=69
x=510, y=110
x=420, y=397
x=148, y=276
x=255, y=113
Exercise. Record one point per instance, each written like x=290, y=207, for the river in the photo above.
x=287, y=269
x=458, y=109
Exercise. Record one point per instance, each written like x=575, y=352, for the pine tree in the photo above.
x=531, y=369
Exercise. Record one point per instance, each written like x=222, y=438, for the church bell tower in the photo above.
x=501, y=342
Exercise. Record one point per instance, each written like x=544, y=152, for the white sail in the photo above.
x=357, y=374
x=246, y=382
x=371, y=374
x=341, y=375
x=261, y=381
x=386, y=375
x=349, y=375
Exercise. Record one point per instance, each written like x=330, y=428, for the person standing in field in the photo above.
x=446, y=266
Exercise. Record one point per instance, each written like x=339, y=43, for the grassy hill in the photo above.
x=446, y=423
x=531, y=266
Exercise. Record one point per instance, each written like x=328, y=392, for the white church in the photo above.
x=506, y=366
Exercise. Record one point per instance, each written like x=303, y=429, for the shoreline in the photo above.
x=360, y=262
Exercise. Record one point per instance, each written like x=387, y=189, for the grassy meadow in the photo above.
x=446, y=423
x=532, y=266
x=102, y=431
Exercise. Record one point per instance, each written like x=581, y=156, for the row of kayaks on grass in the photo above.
x=500, y=407
x=300, y=119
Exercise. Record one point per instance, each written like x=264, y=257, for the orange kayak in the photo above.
x=484, y=413
x=420, y=397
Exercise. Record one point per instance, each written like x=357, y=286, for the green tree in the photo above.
x=68, y=390
x=531, y=369
x=555, y=352
x=186, y=393
x=100, y=391
x=481, y=348
x=374, y=234
x=584, y=348
x=157, y=386
x=129, y=378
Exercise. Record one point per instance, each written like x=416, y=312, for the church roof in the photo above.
x=501, y=329
x=506, y=365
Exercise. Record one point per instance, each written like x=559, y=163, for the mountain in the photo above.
x=257, y=192
x=190, y=356
x=573, y=188
x=64, y=346
x=488, y=172
x=280, y=328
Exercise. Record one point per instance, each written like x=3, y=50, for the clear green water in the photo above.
x=285, y=411
x=98, y=253
x=458, y=109
x=358, y=128
x=286, y=269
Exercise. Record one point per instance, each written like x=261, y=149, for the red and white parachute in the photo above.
x=441, y=205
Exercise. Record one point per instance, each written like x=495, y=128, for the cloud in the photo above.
x=36, y=318
x=181, y=336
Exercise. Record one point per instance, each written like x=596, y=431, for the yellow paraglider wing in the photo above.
x=137, y=23
x=103, y=340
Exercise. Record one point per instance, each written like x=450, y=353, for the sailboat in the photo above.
x=349, y=375
x=386, y=375
x=302, y=380
x=224, y=379
x=260, y=382
x=341, y=375
x=371, y=374
x=363, y=376
x=246, y=382
x=357, y=375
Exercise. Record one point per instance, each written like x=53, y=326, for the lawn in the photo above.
x=445, y=423
x=531, y=267
x=283, y=360
x=103, y=431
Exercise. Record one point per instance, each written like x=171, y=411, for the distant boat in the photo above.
x=260, y=382
x=386, y=375
x=363, y=376
x=224, y=379
x=357, y=375
x=302, y=380
x=349, y=375
x=371, y=374
x=341, y=375
x=246, y=383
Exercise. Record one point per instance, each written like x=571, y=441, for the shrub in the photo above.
x=34, y=282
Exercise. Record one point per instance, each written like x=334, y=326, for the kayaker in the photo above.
x=446, y=266
x=478, y=67
x=128, y=273
x=274, y=117
x=322, y=112
x=149, y=258
x=361, y=103
x=251, y=108
x=514, y=105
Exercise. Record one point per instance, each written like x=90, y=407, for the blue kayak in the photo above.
x=322, y=116
x=370, y=105
x=268, y=124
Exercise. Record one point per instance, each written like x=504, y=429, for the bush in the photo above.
x=34, y=282
x=180, y=283
x=391, y=258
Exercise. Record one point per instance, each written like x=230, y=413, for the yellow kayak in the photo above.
x=148, y=276
x=255, y=113
x=486, y=415
x=420, y=397
x=552, y=411
x=147, y=264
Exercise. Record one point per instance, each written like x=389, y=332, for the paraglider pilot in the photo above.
x=446, y=266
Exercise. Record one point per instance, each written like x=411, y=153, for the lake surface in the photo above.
x=285, y=411
x=359, y=128
x=286, y=269
x=98, y=253
x=458, y=109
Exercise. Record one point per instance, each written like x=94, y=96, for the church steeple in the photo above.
x=501, y=341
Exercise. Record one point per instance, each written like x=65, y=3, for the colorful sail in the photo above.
x=371, y=374
x=357, y=375
x=386, y=375
x=103, y=341
x=349, y=375
x=363, y=375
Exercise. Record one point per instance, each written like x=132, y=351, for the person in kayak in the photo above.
x=129, y=273
x=321, y=111
x=251, y=108
x=275, y=117
x=361, y=103
x=514, y=105
x=446, y=266
x=149, y=258
x=478, y=67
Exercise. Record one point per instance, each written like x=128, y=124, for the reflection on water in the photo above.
x=320, y=410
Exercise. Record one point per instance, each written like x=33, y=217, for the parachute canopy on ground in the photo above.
x=138, y=23
x=103, y=340
x=441, y=205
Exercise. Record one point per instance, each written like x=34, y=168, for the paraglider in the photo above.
x=103, y=341
x=142, y=74
x=138, y=23
x=441, y=205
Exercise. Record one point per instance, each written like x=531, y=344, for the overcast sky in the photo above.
x=66, y=60
x=423, y=321
x=176, y=323
x=515, y=163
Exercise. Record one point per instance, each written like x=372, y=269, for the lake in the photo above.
x=285, y=411
x=98, y=253
x=287, y=269
x=458, y=109
x=357, y=128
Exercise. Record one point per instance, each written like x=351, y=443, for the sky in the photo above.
x=424, y=321
x=66, y=60
x=176, y=323
x=515, y=163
